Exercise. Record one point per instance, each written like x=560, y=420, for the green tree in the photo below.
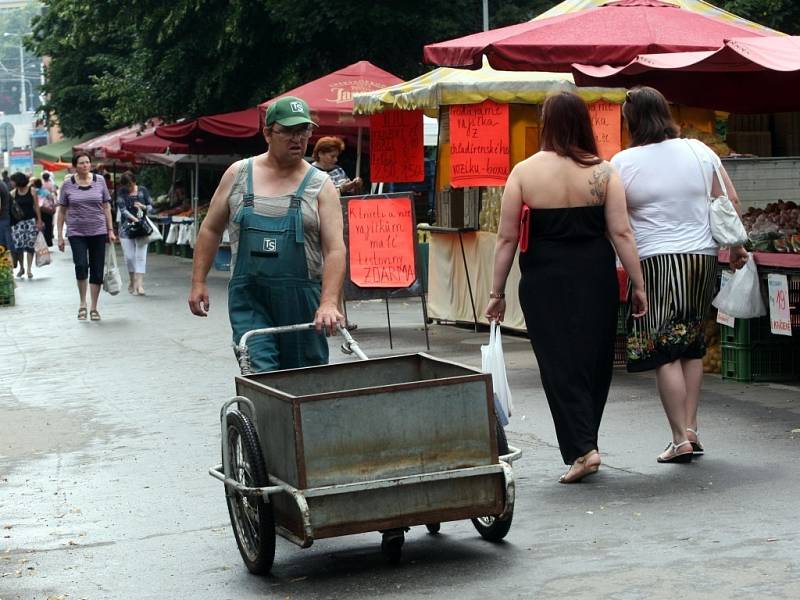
x=782, y=15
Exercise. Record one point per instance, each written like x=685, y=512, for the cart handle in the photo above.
x=350, y=346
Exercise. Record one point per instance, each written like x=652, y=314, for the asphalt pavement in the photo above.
x=107, y=431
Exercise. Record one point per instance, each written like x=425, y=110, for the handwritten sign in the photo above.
x=381, y=238
x=396, y=146
x=723, y=318
x=607, y=125
x=479, y=144
x=779, y=320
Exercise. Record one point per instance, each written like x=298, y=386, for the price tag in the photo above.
x=722, y=318
x=780, y=322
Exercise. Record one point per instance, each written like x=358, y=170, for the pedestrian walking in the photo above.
x=285, y=225
x=133, y=203
x=666, y=180
x=47, y=206
x=26, y=222
x=85, y=207
x=574, y=219
x=5, y=218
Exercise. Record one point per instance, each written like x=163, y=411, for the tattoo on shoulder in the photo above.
x=599, y=182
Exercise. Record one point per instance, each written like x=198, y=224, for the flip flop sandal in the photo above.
x=697, y=447
x=671, y=455
x=81, y=314
x=94, y=315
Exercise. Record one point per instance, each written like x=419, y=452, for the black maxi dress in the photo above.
x=569, y=295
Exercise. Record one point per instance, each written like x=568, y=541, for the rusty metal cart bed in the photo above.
x=375, y=445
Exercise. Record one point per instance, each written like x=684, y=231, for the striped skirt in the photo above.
x=679, y=291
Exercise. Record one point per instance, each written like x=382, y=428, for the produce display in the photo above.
x=712, y=140
x=712, y=361
x=489, y=217
x=774, y=228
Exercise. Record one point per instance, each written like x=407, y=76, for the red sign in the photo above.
x=606, y=123
x=381, y=242
x=396, y=146
x=479, y=144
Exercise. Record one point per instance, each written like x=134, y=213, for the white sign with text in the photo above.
x=780, y=322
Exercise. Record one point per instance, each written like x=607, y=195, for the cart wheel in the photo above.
x=492, y=528
x=433, y=527
x=251, y=517
x=392, y=545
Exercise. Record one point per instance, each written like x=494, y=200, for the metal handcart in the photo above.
x=379, y=444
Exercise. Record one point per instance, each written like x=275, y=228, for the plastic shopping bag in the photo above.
x=172, y=233
x=155, y=235
x=492, y=362
x=112, y=280
x=41, y=251
x=741, y=297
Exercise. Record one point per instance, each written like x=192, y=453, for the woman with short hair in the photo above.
x=85, y=206
x=569, y=293
x=326, y=156
x=666, y=181
x=26, y=225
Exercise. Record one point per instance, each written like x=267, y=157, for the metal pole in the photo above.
x=358, y=154
x=23, y=105
x=486, y=15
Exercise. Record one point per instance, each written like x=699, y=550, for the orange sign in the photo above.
x=479, y=144
x=607, y=125
x=381, y=238
x=396, y=146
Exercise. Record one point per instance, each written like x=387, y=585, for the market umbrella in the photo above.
x=60, y=151
x=613, y=33
x=745, y=75
x=109, y=145
x=699, y=6
x=445, y=86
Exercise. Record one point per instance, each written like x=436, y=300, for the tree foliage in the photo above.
x=781, y=15
x=193, y=57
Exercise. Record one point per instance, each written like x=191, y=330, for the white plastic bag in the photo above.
x=492, y=362
x=41, y=250
x=156, y=235
x=172, y=234
x=741, y=296
x=112, y=280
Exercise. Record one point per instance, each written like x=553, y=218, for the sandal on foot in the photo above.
x=581, y=468
x=94, y=315
x=82, y=314
x=671, y=454
x=697, y=447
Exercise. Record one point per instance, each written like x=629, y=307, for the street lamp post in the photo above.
x=23, y=105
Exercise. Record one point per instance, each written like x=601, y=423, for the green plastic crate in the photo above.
x=746, y=332
x=760, y=362
x=622, y=318
x=620, y=350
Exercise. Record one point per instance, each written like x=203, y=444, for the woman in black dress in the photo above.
x=568, y=290
x=26, y=225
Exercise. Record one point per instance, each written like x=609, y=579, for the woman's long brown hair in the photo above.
x=567, y=129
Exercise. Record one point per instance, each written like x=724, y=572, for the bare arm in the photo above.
x=60, y=218
x=506, y=246
x=208, y=239
x=619, y=231
x=109, y=222
x=333, y=253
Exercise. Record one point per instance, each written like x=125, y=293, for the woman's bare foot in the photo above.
x=586, y=465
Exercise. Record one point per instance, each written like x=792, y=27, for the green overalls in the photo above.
x=270, y=285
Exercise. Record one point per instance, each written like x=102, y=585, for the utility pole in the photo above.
x=486, y=15
x=23, y=103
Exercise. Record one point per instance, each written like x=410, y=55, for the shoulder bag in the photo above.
x=16, y=209
x=726, y=225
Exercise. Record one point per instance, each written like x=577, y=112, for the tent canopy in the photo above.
x=109, y=145
x=613, y=33
x=745, y=75
x=330, y=99
x=60, y=151
x=446, y=86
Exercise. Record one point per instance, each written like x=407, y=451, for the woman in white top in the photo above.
x=666, y=180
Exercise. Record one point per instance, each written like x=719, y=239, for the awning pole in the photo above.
x=358, y=153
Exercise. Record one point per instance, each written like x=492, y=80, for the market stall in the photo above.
x=461, y=246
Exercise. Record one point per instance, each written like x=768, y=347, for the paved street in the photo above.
x=107, y=431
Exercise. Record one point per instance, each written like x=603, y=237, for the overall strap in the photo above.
x=294, y=206
x=248, y=193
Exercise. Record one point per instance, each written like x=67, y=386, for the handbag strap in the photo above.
x=702, y=172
